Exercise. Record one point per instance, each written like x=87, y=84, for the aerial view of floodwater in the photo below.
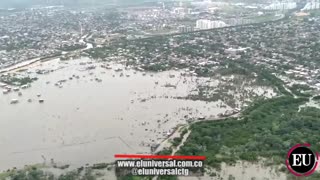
x=93, y=110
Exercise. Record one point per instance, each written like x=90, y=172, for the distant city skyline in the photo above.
x=26, y=3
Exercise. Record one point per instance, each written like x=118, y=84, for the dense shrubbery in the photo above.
x=316, y=98
x=301, y=90
x=268, y=129
x=155, y=67
x=72, y=47
x=35, y=173
x=32, y=174
x=17, y=81
x=176, y=141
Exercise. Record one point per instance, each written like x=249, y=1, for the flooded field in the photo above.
x=82, y=111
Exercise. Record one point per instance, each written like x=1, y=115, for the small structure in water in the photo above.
x=154, y=147
x=172, y=76
x=41, y=100
x=168, y=85
x=5, y=91
x=98, y=80
x=25, y=86
x=91, y=67
x=118, y=70
x=14, y=101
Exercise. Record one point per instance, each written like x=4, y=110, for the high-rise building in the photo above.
x=281, y=5
x=181, y=10
x=208, y=24
x=312, y=4
x=183, y=29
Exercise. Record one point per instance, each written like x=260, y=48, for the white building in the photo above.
x=179, y=10
x=313, y=4
x=208, y=24
x=281, y=6
x=183, y=29
x=209, y=3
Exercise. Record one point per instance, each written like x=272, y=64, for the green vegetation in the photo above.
x=147, y=178
x=316, y=98
x=37, y=172
x=166, y=151
x=267, y=129
x=155, y=67
x=314, y=13
x=29, y=172
x=72, y=47
x=17, y=81
x=274, y=81
x=72, y=175
x=101, y=165
x=314, y=176
x=234, y=68
x=167, y=178
x=176, y=141
x=263, y=75
x=265, y=18
x=301, y=90
x=135, y=178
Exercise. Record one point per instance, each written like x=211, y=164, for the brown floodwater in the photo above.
x=93, y=114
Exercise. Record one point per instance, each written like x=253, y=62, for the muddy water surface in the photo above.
x=90, y=115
